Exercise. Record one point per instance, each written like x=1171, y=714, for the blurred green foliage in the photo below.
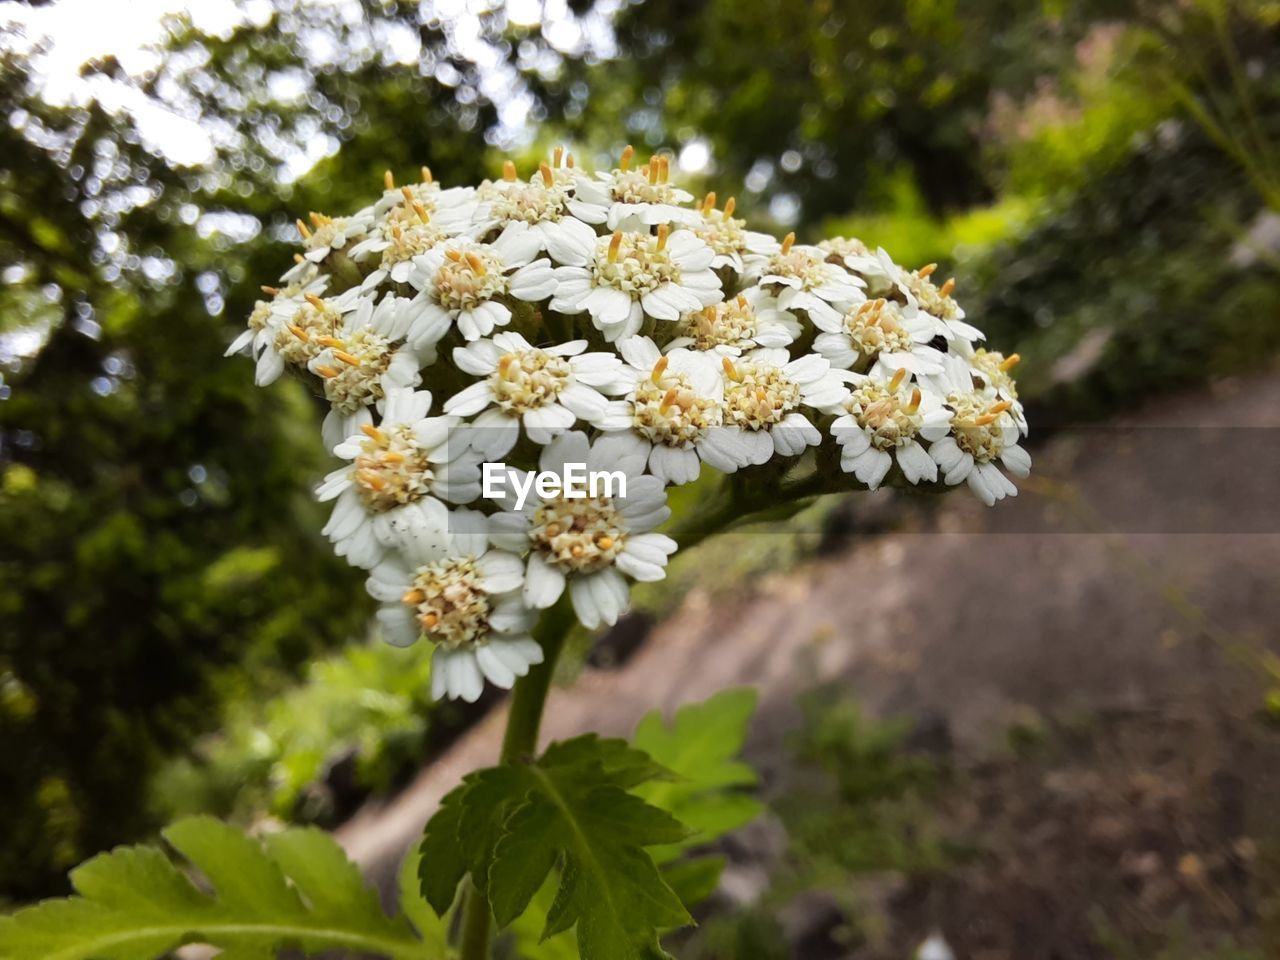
x=355, y=722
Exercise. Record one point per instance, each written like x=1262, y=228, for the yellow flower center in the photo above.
x=671, y=412
x=392, y=469
x=756, y=396
x=874, y=327
x=890, y=416
x=449, y=602
x=468, y=277
x=528, y=379
x=634, y=263
x=581, y=535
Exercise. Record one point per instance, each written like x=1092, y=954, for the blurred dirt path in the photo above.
x=978, y=616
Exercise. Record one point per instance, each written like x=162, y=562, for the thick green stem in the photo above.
x=521, y=740
x=475, y=925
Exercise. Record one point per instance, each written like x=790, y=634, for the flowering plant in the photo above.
x=558, y=322
x=610, y=320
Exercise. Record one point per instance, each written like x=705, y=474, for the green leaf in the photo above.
x=570, y=810
x=441, y=864
x=296, y=891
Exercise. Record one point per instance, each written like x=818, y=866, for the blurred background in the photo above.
x=1041, y=732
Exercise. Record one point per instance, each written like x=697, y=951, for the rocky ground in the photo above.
x=1114, y=611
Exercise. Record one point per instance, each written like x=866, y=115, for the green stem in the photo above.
x=475, y=924
x=521, y=740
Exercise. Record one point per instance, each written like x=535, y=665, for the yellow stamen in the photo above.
x=454, y=254
x=652, y=169
x=508, y=171
x=664, y=231
x=553, y=529
x=914, y=405
x=1001, y=407
x=303, y=229
x=659, y=369
x=504, y=365
x=926, y=270
x=430, y=621
x=708, y=203
x=614, y=244
x=346, y=358
x=329, y=342
x=298, y=332
x=409, y=198
x=899, y=375
x=576, y=550
x=787, y=242
x=271, y=291
x=729, y=206
x=421, y=211
x=413, y=597
x=548, y=177
x=568, y=161
x=476, y=264
x=426, y=175
x=1009, y=362
x=985, y=419
x=327, y=372
x=947, y=287
x=388, y=180
x=730, y=370
x=392, y=456
x=315, y=301
x=668, y=400
x=556, y=156
x=605, y=543
x=664, y=170
x=742, y=301
x=298, y=258
x=371, y=479
x=370, y=431
x=627, y=153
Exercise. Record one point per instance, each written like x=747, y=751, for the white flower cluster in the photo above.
x=606, y=320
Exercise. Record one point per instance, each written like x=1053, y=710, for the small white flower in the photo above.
x=297, y=333
x=547, y=390
x=332, y=233
x=404, y=232
x=741, y=250
x=937, y=303
x=809, y=282
x=763, y=396
x=669, y=413
x=880, y=330
x=632, y=199
x=361, y=364
x=729, y=328
x=993, y=368
x=394, y=469
x=629, y=275
x=589, y=542
x=465, y=283
x=887, y=417
x=452, y=204
x=982, y=433
x=268, y=316
x=445, y=583
x=536, y=212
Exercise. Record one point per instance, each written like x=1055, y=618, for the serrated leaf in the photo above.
x=441, y=864
x=431, y=929
x=609, y=889
x=298, y=891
